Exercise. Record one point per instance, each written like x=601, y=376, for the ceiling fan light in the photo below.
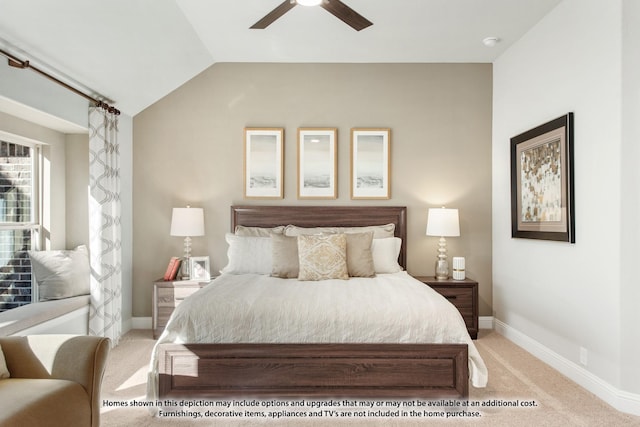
x=490, y=41
x=309, y=2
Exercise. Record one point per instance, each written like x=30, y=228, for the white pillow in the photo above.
x=385, y=254
x=248, y=255
x=4, y=371
x=61, y=274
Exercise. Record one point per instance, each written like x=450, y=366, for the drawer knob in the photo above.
x=451, y=296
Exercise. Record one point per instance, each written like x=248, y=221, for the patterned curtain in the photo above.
x=104, y=225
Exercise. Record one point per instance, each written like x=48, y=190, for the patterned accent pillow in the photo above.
x=322, y=257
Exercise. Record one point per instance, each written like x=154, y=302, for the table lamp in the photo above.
x=187, y=222
x=444, y=223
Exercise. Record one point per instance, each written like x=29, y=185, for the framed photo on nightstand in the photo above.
x=199, y=268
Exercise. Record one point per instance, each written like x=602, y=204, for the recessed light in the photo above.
x=490, y=41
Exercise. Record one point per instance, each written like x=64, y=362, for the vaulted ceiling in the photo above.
x=136, y=51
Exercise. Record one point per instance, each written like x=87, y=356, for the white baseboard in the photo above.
x=619, y=399
x=485, y=322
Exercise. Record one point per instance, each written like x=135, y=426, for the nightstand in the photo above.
x=461, y=293
x=167, y=295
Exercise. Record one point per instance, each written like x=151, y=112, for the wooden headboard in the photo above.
x=324, y=216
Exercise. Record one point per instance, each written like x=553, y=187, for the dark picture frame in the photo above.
x=542, y=182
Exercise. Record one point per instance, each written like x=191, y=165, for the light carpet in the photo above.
x=514, y=375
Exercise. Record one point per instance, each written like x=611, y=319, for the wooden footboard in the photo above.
x=321, y=370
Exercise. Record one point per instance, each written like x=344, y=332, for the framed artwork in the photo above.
x=263, y=163
x=317, y=163
x=542, y=196
x=199, y=268
x=370, y=163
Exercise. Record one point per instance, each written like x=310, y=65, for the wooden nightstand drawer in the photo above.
x=171, y=297
x=463, y=294
x=166, y=297
x=460, y=297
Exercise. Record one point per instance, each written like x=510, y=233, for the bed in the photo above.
x=197, y=357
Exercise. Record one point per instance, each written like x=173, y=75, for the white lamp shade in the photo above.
x=443, y=222
x=187, y=222
x=309, y=2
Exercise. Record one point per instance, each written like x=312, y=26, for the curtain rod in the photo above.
x=17, y=63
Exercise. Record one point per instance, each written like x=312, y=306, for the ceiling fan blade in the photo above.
x=346, y=14
x=276, y=13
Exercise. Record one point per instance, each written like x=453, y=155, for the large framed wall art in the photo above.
x=542, y=188
x=263, y=163
x=370, y=163
x=317, y=163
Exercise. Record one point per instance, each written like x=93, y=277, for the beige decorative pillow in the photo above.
x=379, y=231
x=4, y=371
x=322, y=257
x=359, y=257
x=61, y=273
x=241, y=230
x=285, y=256
x=294, y=230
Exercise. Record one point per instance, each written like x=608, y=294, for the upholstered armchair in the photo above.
x=54, y=380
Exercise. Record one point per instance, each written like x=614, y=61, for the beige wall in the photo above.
x=188, y=149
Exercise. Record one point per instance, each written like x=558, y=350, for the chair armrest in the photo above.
x=77, y=358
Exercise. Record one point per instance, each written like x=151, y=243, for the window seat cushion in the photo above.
x=26, y=316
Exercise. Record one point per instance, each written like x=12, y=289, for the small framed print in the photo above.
x=199, y=268
x=542, y=196
x=263, y=163
x=370, y=163
x=317, y=163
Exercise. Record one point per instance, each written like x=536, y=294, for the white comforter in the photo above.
x=390, y=308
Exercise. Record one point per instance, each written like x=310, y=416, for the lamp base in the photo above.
x=442, y=264
x=442, y=269
x=185, y=274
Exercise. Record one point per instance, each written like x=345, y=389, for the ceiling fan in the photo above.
x=335, y=7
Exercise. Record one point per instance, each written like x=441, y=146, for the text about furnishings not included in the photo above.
x=327, y=409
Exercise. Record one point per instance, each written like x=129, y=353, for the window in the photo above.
x=19, y=218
